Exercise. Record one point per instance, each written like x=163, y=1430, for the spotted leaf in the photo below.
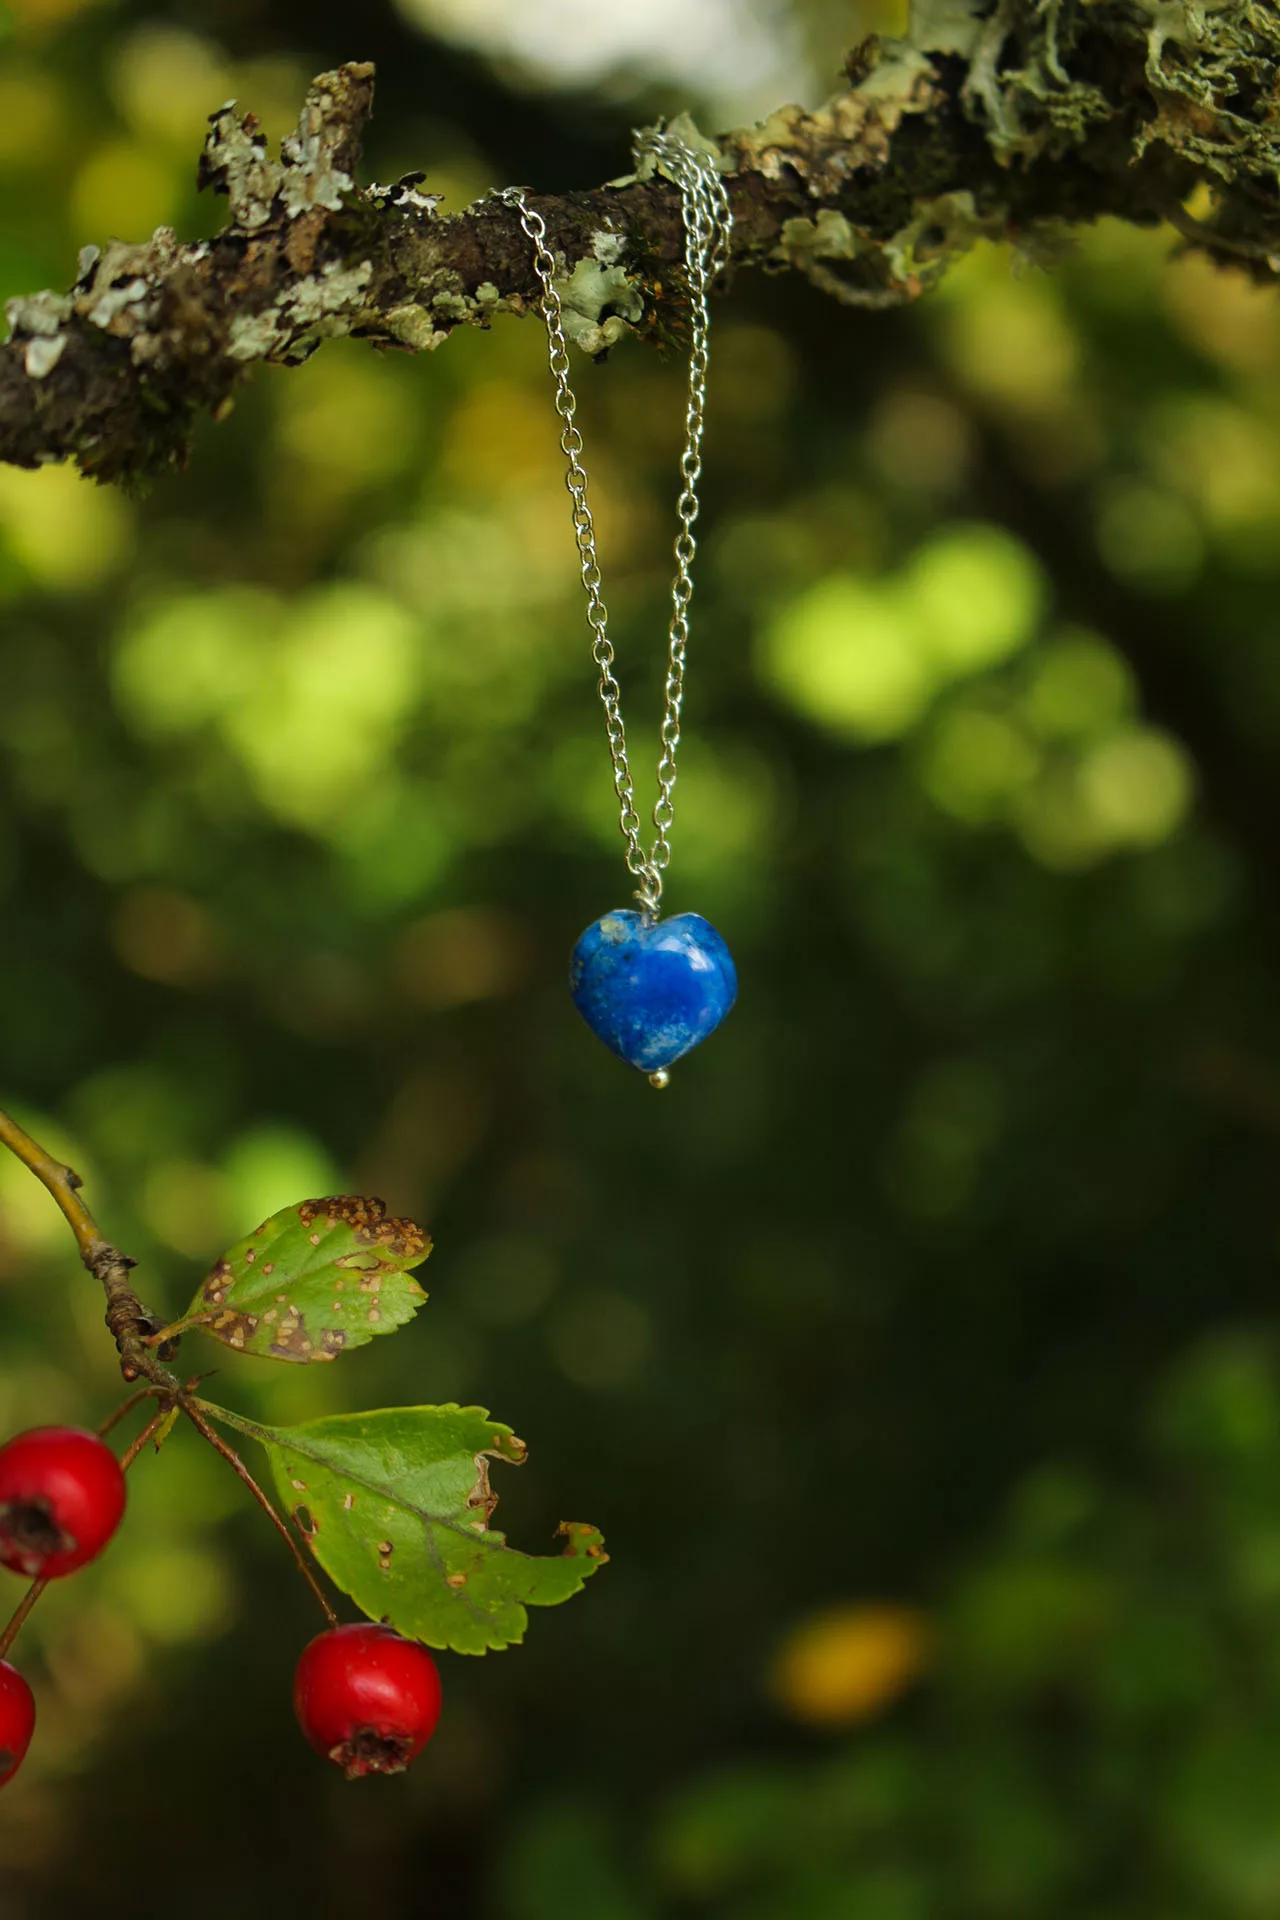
x=396, y=1505
x=313, y=1280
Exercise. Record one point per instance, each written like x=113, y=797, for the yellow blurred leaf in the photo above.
x=847, y=1664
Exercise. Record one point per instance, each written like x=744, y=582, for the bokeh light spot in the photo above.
x=974, y=761
x=68, y=534
x=977, y=595
x=165, y=82
x=273, y=1166
x=1138, y=787
x=844, y=654
x=123, y=191
x=165, y=935
x=463, y=954
x=175, y=1592
x=847, y=1664
x=1079, y=688
x=186, y=1205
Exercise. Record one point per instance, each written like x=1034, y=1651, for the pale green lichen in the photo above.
x=41, y=356
x=944, y=26
x=251, y=179
x=943, y=229
x=309, y=177
x=303, y=179
x=320, y=301
x=683, y=129
x=254, y=336
x=852, y=131
x=828, y=236
x=450, y=305
x=109, y=305
x=600, y=298
x=608, y=247
x=36, y=315
x=1040, y=83
x=1206, y=63
x=314, y=186
x=117, y=291
x=1209, y=63
x=414, y=327
x=426, y=323
x=317, y=307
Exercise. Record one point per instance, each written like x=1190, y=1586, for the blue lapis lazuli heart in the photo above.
x=652, y=989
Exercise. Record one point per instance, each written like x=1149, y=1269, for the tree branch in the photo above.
x=128, y=1321
x=1000, y=118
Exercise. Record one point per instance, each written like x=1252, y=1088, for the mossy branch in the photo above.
x=1000, y=118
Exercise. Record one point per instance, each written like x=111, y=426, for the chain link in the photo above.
x=708, y=224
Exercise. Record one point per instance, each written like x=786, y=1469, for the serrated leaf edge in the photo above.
x=485, y=1536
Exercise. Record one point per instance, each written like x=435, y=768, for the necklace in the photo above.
x=651, y=989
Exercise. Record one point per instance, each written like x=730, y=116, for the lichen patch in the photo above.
x=40, y=357
x=600, y=299
x=36, y=315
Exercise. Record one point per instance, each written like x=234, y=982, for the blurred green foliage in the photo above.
x=939, y=1283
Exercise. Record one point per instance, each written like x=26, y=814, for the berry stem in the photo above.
x=18, y=1620
x=192, y=1409
x=149, y=1432
x=125, y=1407
x=127, y=1318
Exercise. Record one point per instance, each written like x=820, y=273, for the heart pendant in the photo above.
x=652, y=989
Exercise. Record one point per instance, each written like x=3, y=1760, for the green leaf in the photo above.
x=314, y=1279
x=395, y=1505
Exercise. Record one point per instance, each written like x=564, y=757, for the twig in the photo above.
x=871, y=299
x=192, y=1410
x=1202, y=235
x=129, y=1321
x=63, y=1182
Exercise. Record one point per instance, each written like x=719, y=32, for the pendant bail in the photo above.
x=648, y=894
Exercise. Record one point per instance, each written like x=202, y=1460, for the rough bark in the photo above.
x=1014, y=120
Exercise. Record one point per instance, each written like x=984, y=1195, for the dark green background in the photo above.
x=942, y=1278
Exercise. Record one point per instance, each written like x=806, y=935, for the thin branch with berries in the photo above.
x=394, y=1505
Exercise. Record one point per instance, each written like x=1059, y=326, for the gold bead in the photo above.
x=660, y=1079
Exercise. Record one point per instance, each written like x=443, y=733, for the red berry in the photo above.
x=17, y=1720
x=61, y=1497
x=366, y=1698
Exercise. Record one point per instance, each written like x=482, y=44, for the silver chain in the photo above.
x=708, y=224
